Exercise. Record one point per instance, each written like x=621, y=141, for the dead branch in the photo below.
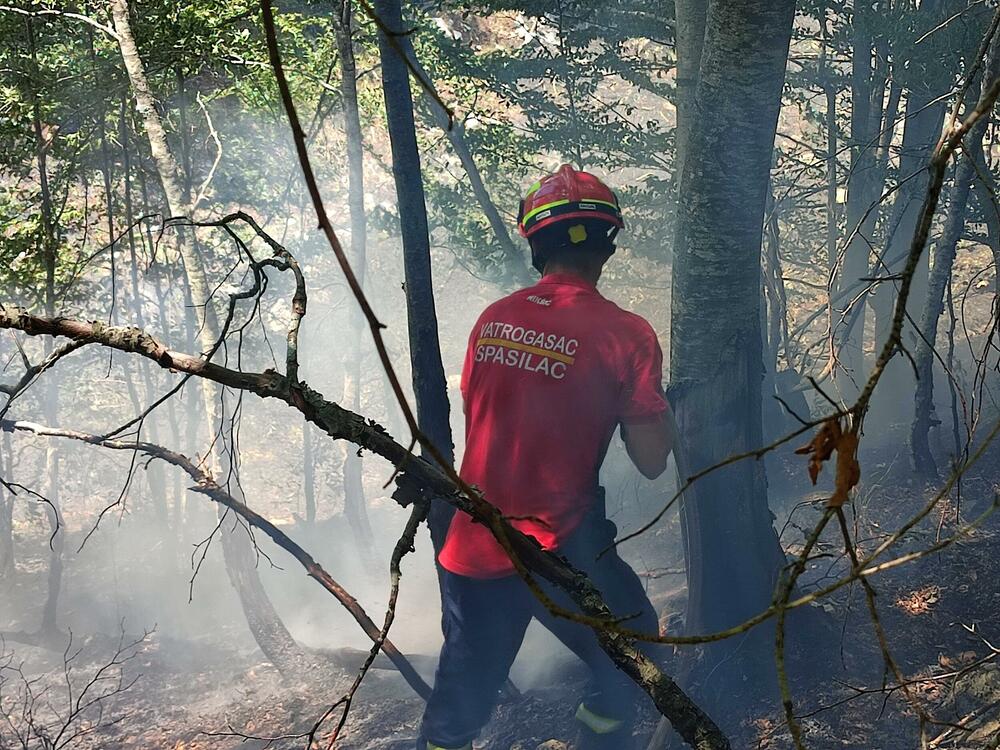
x=206, y=485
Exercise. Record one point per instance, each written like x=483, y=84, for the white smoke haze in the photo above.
x=141, y=552
x=147, y=565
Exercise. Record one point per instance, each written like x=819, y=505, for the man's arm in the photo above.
x=647, y=424
x=649, y=444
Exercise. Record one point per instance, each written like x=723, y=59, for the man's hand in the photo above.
x=649, y=444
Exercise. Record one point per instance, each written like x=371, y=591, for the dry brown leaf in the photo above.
x=829, y=438
x=848, y=469
x=820, y=448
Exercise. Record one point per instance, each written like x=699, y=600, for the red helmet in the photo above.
x=567, y=194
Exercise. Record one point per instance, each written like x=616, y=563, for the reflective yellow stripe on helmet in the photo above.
x=539, y=209
x=595, y=722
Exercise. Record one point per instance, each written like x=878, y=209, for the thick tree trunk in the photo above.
x=429, y=386
x=266, y=627
x=733, y=555
x=940, y=278
x=355, y=505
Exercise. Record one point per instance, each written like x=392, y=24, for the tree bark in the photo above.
x=266, y=627
x=940, y=278
x=429, y=386
x=733, y=555
x=690, y=38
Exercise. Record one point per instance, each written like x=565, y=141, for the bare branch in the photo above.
x=206, y=485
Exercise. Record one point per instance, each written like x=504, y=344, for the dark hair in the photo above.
x=575, y=244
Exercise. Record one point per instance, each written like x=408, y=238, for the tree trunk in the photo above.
x=940, y=278
x=309, y=476
x=7, y=558
x=154, y=474
x=861, y=194
x=853, y=327
x=733, y=555
x=830, y=92
x=266, y=627
x=355, y=505
x=925, y=110
x=173, y=419
x=429, y=386
x=50, y=243
x=987, y=193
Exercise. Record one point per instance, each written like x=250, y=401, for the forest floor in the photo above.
x=939, y=613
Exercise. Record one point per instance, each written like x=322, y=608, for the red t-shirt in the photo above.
x=550, y=372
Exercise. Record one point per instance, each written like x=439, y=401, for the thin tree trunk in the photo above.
x=988, y=195
x=830, y=92
x=50, y=241
x=8, y=566
x=715, y=355
x=309, y=476
x=267, y=628
x=154, y=474
x=861, y=193
x=355, y=505
x=106, y=171
x=940, y=279
x=857, y=287
x=925, y=111
x=429, y=386
x=952, y=388
x=166, y=315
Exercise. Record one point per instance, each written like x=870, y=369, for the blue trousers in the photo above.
x=484, y=622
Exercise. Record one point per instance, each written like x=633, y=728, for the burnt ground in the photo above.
x=939, y=612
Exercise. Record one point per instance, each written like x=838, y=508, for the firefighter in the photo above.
x=550, y=372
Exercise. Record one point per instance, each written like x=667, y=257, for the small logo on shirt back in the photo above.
x=543, y=301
